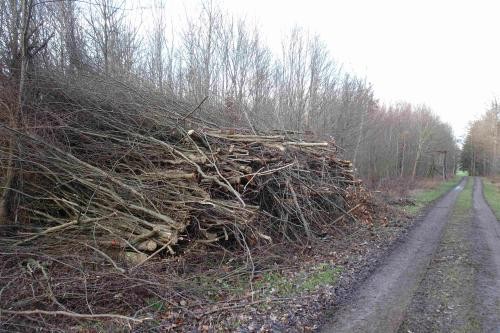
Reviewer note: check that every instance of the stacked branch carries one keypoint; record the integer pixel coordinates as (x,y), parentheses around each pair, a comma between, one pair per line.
(116,165)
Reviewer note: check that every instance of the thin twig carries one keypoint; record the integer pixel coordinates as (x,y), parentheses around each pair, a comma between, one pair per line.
(196,108)
(74,315)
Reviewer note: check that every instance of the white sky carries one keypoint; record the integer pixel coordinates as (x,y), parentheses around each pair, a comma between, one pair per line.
(444,53)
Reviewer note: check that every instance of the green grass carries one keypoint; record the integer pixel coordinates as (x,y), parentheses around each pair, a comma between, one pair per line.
(276,282)
(423,198)
(446,295)
(283,285)
(322,276)
(492,195)
(464,200)
(266,284)
(453,272)
(155,304)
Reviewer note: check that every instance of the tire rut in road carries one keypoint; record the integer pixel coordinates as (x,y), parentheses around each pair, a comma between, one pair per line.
(380,303)
(486,256)
(445,300)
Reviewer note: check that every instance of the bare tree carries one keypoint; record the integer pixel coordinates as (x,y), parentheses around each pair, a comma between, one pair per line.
(113,42)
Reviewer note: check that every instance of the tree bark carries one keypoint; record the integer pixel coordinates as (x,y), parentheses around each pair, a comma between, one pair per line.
(17,118)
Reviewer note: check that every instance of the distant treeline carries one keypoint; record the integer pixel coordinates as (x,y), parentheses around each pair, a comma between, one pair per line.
(480,150)
(221,61)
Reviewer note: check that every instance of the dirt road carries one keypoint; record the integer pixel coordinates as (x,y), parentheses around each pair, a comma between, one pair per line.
(445,277)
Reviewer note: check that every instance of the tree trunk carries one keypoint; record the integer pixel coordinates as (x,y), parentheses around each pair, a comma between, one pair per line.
(403,158)
(9,180)
(417,159)
(17,118)
(360,136)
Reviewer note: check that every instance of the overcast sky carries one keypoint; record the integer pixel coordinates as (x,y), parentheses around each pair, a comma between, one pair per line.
(443,53)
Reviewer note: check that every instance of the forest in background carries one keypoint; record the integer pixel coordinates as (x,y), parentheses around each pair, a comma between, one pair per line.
(480,148)
(219,63)
(186,177)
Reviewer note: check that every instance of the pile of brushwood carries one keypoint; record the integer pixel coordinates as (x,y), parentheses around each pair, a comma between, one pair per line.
(94,164)
(108,163)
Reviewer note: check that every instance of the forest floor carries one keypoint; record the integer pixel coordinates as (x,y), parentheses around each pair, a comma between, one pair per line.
(321,285)
(444,277)
(309,283)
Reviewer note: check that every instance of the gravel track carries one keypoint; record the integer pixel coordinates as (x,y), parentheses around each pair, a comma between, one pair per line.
(444,278)
(379,305)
